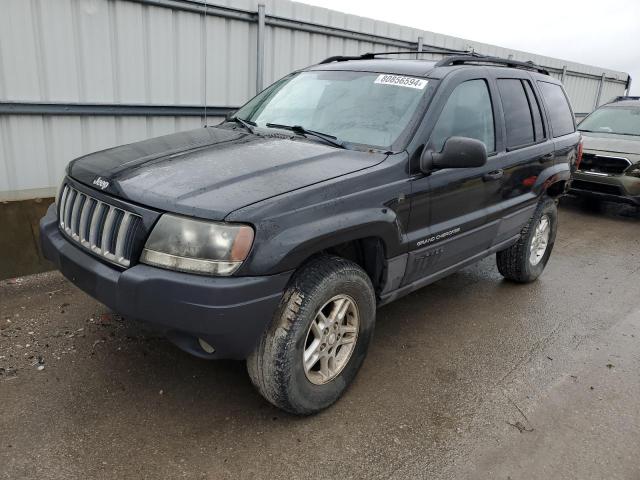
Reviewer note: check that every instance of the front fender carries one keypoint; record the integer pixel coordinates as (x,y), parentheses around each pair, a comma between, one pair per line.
(298,242)
(367,204)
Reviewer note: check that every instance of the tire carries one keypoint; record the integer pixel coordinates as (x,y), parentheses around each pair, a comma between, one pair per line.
(277,367)
(517,263)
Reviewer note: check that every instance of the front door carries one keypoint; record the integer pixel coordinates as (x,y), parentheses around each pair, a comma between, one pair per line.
(448,221)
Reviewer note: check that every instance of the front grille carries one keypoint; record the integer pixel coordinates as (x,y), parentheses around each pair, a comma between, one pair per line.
(596,187)
(601,164)
(103,229)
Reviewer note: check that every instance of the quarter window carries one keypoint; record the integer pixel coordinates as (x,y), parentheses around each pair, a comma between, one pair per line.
(536,113)
(517,114)
(467,113)
(560,115)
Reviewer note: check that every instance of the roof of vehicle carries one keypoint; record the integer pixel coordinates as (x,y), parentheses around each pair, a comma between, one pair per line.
(377,62)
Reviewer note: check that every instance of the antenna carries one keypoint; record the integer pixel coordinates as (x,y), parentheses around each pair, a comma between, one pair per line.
(206,7)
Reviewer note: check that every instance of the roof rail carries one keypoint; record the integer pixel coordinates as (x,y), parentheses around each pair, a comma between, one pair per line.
(622,98)
(453,57)
(469,58)
(372,55)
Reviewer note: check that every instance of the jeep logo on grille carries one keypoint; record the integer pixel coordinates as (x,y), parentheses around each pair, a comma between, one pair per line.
(100,182)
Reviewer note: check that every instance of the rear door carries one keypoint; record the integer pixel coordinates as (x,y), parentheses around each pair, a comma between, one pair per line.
(448,207)
(526,152)
(561,120)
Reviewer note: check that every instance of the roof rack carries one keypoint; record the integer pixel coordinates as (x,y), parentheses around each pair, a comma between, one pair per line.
(453,57)
(372,55)
(469,58)
(622,98)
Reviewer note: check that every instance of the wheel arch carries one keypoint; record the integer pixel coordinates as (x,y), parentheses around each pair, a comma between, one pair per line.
(368,252)
(553,181)
(366,236)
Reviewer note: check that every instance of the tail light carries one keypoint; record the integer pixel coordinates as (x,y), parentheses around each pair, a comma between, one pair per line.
(579,156)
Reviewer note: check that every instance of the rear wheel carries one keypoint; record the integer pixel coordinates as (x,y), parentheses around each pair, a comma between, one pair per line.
(525,260)
(318,338)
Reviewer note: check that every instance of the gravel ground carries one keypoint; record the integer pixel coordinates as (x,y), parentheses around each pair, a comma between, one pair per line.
(472,377)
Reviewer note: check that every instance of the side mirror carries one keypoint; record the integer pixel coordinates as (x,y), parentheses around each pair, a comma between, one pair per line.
(458,152)
(230,115)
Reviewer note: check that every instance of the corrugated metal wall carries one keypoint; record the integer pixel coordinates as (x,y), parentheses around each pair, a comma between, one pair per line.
(81,75)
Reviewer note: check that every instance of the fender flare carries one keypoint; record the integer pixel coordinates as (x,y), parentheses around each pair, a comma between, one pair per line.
(552,176)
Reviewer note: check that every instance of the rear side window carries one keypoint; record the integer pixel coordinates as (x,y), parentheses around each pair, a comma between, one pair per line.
(467,113)
(517,114)
(558,108)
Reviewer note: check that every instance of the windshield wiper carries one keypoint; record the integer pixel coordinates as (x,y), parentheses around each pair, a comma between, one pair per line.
(247,124)
(299,129)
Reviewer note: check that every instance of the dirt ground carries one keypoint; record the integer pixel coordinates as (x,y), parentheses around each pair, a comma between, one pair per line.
(472,377)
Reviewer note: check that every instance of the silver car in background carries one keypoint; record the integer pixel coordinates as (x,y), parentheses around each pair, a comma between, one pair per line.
(610,167)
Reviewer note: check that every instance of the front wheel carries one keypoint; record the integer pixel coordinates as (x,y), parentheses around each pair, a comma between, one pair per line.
(318,338)
(525,260)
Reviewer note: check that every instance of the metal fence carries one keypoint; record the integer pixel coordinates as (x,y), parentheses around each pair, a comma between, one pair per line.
(81,75)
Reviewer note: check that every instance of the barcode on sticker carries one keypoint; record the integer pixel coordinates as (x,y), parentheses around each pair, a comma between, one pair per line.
(401,81)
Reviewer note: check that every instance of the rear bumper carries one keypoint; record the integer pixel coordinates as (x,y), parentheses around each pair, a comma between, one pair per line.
(230,313)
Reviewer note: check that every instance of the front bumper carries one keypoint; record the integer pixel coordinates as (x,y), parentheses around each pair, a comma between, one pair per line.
(229,313)
(617,188)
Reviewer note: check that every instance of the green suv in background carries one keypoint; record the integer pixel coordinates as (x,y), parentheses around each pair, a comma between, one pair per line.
(610,167)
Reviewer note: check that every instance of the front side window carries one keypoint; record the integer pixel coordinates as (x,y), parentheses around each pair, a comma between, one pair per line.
(615,120)
(467,113)
(357,107)
(560,115)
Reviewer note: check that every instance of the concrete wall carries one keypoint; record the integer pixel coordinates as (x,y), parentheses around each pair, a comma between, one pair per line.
(19,239)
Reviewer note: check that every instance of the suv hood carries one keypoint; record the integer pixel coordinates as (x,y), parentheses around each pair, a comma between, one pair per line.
(607,142)
(210,172)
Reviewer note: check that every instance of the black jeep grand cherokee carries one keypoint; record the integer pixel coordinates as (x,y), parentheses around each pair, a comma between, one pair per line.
(275,235)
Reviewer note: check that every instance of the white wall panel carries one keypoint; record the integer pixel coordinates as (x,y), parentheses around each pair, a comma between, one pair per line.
(57,40)
(64,142)
(610,91)
(94,42)
(27,151)
(160,60)
(19,56)
(129,48)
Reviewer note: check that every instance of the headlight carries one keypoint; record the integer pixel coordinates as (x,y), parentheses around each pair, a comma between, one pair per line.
(196,246)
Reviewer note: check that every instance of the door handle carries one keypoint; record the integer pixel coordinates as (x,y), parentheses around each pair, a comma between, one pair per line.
(495,175)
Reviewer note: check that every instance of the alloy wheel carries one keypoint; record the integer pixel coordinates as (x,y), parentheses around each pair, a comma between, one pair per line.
(331,339)
(540,240)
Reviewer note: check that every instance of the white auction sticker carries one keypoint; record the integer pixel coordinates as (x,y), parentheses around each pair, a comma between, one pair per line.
(401,81)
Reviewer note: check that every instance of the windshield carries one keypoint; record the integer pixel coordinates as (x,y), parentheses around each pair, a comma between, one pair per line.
(356,107)
(618,120)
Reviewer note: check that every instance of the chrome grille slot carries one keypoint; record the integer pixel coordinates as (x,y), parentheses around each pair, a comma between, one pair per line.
(601,164)
(103,229)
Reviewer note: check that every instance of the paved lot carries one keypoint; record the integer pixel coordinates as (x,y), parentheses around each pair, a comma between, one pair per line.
(472,377)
